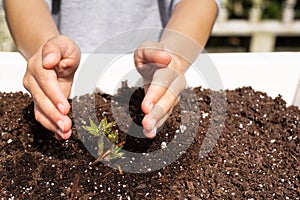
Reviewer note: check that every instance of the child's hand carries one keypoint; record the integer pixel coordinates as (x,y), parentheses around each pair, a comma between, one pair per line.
(49,78)
(164,79)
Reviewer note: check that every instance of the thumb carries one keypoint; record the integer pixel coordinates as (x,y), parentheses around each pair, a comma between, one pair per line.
(158,57)
(51,55)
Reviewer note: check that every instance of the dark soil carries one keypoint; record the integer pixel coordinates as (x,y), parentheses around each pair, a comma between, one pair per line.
(257,155)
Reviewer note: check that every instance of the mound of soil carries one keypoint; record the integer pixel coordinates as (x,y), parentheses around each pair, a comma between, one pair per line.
(256,154)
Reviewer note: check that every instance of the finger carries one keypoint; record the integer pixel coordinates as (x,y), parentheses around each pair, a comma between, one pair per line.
(160,109)
(159,114)
(57,136)
(149,123)
(51,55)
(163,80)
(147,71)
(148,58)
(47,123)
(47,81)
(62,55)
(44,120)
(154,55)
(151,133)
(63,122)
(59,128)
(166,115)
(48,109)
(161,76)
(60,51)
(153,94)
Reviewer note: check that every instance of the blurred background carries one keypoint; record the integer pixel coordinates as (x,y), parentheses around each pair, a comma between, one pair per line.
(6,43)
(242,26)
(257,26)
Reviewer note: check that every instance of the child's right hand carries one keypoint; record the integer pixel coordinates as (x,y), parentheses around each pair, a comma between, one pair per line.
(48,78)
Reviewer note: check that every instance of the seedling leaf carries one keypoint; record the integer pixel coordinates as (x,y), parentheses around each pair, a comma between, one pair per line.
(92,129)
(105,129)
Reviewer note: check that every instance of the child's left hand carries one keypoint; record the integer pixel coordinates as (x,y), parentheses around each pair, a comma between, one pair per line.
(164,80)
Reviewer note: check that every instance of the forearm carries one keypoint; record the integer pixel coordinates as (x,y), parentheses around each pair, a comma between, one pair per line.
(30,23)
(192,22)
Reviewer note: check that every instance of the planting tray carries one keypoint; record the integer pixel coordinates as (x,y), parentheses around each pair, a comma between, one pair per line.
(247,148)
(273,73)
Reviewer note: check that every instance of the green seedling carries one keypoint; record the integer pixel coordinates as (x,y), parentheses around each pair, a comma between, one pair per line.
(105,129)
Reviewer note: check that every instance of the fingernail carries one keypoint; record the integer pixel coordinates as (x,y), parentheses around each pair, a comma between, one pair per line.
(140,53)
(61,125)
(57,136)
(153,123)
(60,133)
(150,134)
(61,108)
(151,105)
(49,58)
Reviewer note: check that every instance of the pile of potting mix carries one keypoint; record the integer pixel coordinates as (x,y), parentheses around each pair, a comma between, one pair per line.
(255,150)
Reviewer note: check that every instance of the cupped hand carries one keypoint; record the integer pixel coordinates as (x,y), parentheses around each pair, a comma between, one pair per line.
(163,76)
(49,78)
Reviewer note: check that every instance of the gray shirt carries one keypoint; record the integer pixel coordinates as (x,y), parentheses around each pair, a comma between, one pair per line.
(93,22)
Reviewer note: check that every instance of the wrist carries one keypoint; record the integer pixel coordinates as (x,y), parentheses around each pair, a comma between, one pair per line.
(180,61)
(38,43)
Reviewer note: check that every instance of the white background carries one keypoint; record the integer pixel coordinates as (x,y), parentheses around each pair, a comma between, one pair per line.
(273,73)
